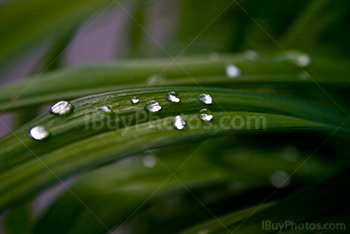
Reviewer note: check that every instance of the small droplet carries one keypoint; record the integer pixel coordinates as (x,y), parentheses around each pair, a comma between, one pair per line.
(153,106)
(205,98)
(251,55)
(179,123)
(291,153)
(279,179)
(173,97)
(149,161)
(61,108)
(106,109)
(233,71)
(135,100)
(39,133)
(304,60)
(205,115)
(300,58)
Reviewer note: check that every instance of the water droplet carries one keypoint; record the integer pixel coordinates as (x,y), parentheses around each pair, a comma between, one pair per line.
(279,179)
(106,109)
(39,133)
(153,106)
(179,123)
(205,115)
(205,98)
(290,153)
(149,161)
(135,100)
(303,60)
(300,58)
(173,97)
(251,55)
(155,79)
(61,108)
(233,71)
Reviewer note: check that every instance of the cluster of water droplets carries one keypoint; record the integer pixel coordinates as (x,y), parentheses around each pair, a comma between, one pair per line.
(64,108)
(60,108)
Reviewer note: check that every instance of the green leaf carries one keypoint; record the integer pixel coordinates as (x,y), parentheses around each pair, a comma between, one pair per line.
(75,144)
(86,80)
(316,203)
(126,185)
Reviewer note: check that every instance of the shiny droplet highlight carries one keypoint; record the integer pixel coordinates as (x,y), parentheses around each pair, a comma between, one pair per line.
(205,98)
(39,133)
(179,123)
(153,106)
(173,97)
(61,108)
(205,115)
(279,179)
(233,71)
(135,100)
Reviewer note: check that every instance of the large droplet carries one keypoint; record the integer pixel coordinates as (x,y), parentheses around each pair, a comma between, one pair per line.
(179,123)
(205,98)
(173,97)
(39,133)
(279,179)
(61,108)
(135,100)
(205,115)
(153,106)
(233,71)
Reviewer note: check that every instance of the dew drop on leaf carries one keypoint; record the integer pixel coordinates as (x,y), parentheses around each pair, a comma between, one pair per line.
(205,98)
(279,179)
(153,106)
(39,133)
(173,97)
(135,100)
(233,71)
(61,108)
(106,109)
(149,161)
(251,55)
(179,123)
(205,115)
